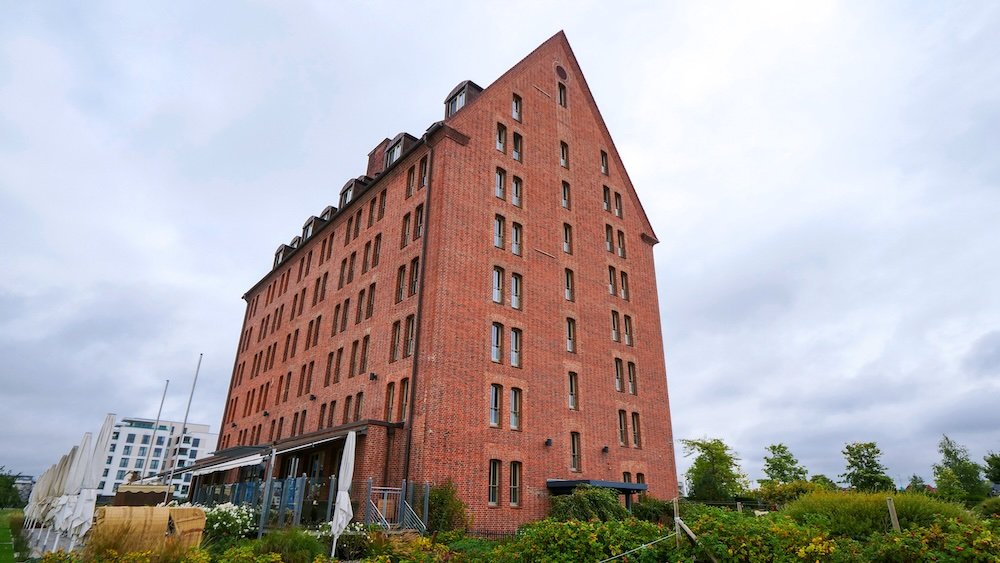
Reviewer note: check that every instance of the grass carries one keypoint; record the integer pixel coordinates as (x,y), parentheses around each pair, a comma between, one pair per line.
(6,541)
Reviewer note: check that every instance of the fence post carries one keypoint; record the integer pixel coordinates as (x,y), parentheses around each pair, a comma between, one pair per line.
(677,527)
(892,514)
(427,501)
(300,489)
(739,507)
(368,501)
(402,503)
(330,498)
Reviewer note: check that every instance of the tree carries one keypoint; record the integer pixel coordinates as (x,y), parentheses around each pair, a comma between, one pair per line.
(916,484)
(715,473)
(9,495)
(781,466)
(824,482)
(864,470)
(967,473)
(992,467)
(948,485)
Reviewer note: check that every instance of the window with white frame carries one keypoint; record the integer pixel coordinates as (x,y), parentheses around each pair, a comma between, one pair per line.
(496,392)
(515,408)
(515,291)
(515,347)
(516,191)
(496,342)
(498,275)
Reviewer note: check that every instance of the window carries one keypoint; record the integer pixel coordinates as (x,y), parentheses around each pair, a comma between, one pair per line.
(347,409)
(496,342)
(570,335)
(568,285)
(574,451)
(628,330)
(609,238)
(618,374)
(145,440)
(369,308)
(381,205)
(604,163)
(404,237)
(618,204)
(563,154)
(607,198)
(414,275)
(124,462)
(112,448)
(516,191)
(622,428)
(574,392)
(376,249)
(408,341)
(496,391)
(515,107)
(363,363)
(393,154)
(120,474)
(640,478)
(350,276)
(567,242)
(498,231)
(612,280)
(418,222)
(400,283)
(621,244)
(565,195)
(371,213)
(498,276)
(130,439)
(615,326)
(627,477)
(516,150)
(411,180)
(390,395)
(127,450)
(423,172)
(636,435)
(515,291)
(515,347)
(515,239)
(493,495)
(515,483)
(359,400)
(361,307)
(456,103)
(515,409)
(404,398)
(500,184)
(394,346)
(562,94)
(501,138)
(631,378)
(624,286)
(143,450)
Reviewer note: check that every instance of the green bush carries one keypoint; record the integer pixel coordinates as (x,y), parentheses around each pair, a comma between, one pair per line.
(355,542)
(779,494)
(292,544)
(946,539)
(445,510)
(731,536)
(246,553)
(989,508)
(228,522)
(569,542)
(472,549)
(858,515)
(653,510)
(588,503)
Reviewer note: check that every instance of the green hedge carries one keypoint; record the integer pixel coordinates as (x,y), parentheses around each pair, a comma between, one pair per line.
(858,515)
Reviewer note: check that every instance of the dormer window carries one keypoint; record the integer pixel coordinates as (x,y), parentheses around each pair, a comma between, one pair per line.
(456,102)
(348,196)
(393,154)
(307,231)
(279,256)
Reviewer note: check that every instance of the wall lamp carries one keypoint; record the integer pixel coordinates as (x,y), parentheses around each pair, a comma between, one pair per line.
(548,441)
(604,450)
(312,397)
(232,425)
(267,414)
(372,376)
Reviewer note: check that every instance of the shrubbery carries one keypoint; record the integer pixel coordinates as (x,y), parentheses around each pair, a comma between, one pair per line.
(445,510)
(653,510)
(988,508)
(779,494)
(573,541)
(292,545)
(858,515)
(588,503)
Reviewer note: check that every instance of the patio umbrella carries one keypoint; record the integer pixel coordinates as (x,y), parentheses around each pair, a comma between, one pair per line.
(342,513)
(83,515)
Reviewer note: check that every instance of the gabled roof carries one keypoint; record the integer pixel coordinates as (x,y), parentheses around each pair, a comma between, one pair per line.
(561,40)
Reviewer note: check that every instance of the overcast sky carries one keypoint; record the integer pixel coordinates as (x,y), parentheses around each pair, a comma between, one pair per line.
(824,179)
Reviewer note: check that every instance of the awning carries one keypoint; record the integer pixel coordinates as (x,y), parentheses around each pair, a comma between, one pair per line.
(302,446)
(566,486)
(231,464)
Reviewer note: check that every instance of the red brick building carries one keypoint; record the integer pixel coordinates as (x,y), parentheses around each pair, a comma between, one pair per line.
(480,305)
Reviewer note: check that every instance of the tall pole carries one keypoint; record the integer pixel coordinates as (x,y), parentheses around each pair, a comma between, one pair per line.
(170,476)
(152,440)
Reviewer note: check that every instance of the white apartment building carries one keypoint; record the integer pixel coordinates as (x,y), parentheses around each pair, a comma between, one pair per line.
(136,446)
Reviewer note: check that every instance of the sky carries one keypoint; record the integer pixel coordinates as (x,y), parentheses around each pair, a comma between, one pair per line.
(823,178)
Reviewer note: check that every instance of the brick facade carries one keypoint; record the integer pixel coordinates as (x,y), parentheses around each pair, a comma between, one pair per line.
(447,431)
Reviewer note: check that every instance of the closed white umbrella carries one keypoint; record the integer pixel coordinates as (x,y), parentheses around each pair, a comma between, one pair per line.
(342,512)
(83,515)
